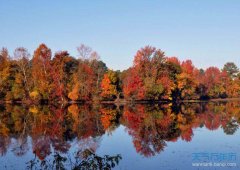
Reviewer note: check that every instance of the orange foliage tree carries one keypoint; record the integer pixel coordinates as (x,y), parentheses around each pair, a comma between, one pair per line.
(41,69)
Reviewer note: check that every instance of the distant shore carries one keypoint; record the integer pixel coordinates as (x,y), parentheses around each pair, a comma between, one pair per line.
(169,101)
(122,101)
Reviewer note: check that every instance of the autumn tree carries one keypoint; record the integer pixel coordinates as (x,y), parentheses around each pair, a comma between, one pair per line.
(81,83)
(133,87)
(41,70)
(212,80)
(22,56)
(110,85)
(6,76)
(187,82)
(84,52)
(150,71)
(233,87)
(173,67)
(62,66)
(87,78)
(99,69)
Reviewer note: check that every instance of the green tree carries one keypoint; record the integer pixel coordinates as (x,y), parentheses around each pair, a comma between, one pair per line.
(231,69)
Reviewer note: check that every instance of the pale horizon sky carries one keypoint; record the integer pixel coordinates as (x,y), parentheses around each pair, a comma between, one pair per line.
(207,32)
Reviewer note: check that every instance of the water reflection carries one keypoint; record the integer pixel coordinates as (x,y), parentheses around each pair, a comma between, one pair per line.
(49,132)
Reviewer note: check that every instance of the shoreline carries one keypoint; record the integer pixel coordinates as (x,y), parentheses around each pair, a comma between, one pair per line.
(123,101)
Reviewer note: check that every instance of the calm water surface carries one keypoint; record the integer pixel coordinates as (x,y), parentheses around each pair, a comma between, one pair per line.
(186,136)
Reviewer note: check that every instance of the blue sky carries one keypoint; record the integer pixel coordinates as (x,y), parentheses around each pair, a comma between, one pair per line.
(207,32)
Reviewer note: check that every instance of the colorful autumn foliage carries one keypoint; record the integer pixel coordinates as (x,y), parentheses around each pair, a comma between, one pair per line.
(110,85)
(153,76)
(151,127)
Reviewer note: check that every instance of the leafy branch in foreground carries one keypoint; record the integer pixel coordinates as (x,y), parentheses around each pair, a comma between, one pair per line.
(87,160)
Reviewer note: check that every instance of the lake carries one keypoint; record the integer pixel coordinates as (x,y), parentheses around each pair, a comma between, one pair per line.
(151,136)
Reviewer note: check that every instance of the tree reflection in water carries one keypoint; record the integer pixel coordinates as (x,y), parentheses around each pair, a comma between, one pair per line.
(49,132)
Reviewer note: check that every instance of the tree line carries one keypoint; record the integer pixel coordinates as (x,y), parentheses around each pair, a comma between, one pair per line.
(153,76)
